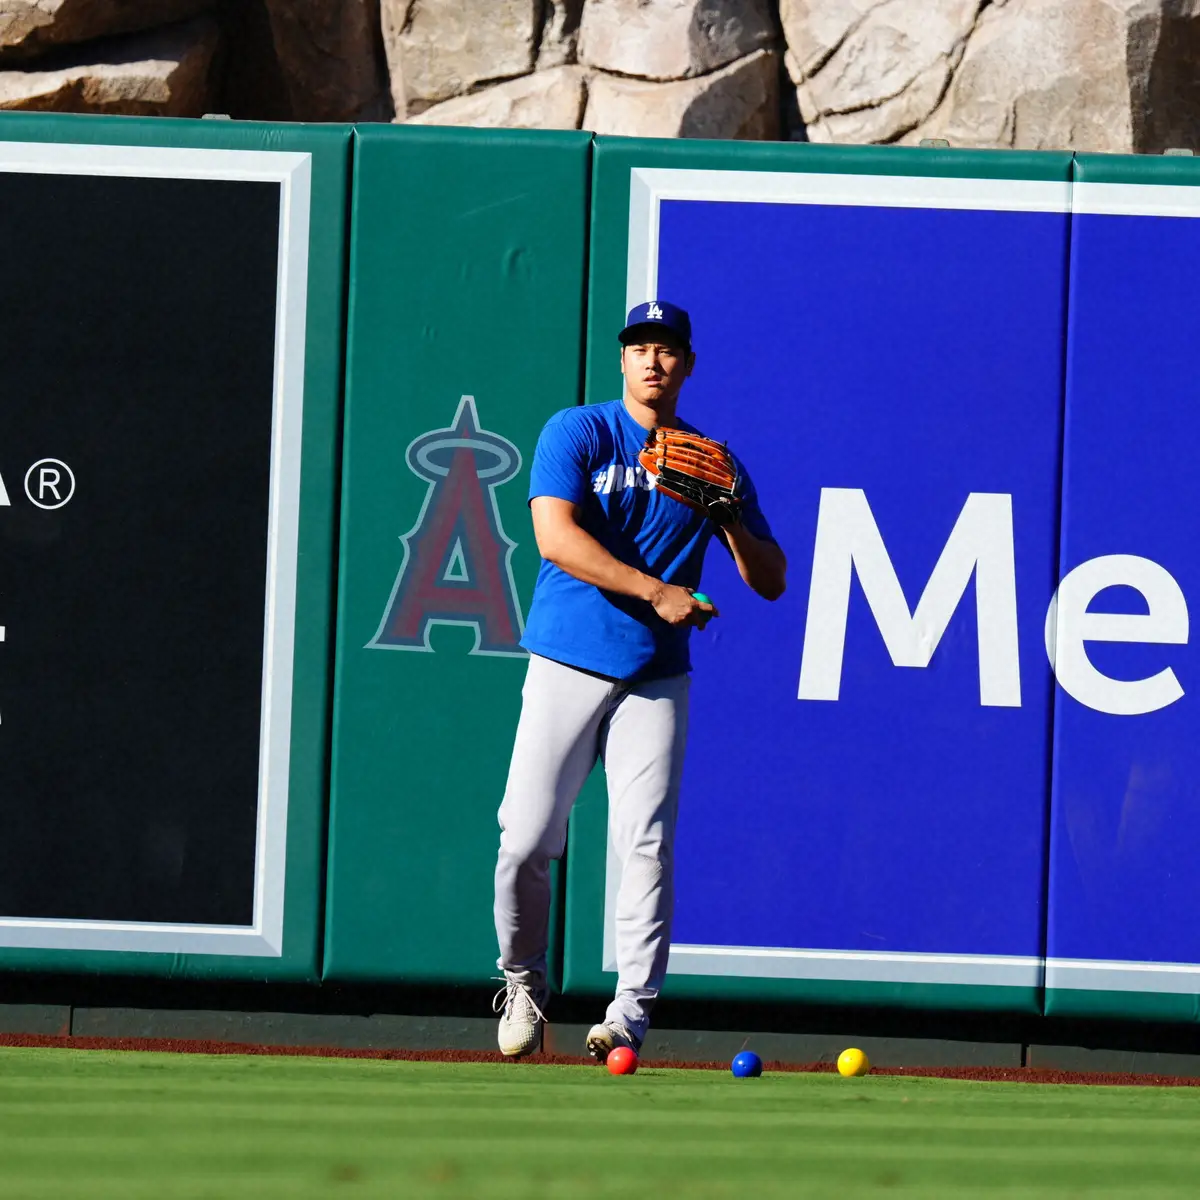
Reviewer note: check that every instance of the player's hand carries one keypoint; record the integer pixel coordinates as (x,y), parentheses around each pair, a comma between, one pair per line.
(704,612)
(677,606)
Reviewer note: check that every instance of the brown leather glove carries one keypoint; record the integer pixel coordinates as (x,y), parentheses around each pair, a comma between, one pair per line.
(694,470)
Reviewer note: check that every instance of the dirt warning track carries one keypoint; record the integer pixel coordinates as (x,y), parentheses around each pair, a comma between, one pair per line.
(202,1046)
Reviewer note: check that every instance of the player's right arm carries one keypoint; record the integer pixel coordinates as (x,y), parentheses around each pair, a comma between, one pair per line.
(564,542)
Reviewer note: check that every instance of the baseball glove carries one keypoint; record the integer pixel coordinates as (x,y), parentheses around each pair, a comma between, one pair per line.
(695,470)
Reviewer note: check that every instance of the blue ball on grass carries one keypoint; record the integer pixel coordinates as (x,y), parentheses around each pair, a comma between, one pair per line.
(746,1065)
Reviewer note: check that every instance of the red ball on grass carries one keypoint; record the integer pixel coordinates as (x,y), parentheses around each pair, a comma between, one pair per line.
(621,1061)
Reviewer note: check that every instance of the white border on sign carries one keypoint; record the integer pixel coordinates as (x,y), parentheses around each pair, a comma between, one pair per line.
(293,173)
(1098,975)
(1136,199)
(649,187)
(998,970)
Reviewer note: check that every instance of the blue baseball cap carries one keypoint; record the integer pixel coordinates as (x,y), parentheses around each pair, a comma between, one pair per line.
(661,313)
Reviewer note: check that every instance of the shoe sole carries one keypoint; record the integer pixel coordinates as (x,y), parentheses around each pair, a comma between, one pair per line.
(599,1048)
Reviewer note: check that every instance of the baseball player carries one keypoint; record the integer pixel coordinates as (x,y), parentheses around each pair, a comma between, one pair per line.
(622,549)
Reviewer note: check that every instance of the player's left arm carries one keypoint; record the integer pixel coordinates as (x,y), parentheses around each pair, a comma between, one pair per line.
(760,561)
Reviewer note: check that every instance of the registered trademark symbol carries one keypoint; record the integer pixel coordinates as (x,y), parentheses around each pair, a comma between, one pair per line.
(49,483)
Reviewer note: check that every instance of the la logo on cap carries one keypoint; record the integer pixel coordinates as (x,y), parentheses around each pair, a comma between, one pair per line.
(653,312)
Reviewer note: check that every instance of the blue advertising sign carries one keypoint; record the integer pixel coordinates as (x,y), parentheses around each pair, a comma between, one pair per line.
(1126,799)
(866,789)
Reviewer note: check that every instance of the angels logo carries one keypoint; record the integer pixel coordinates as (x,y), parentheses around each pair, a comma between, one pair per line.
(457,567)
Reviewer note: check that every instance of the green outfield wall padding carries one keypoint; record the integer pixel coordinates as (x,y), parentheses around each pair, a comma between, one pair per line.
(466,331)
(1085,1004)
(141,860)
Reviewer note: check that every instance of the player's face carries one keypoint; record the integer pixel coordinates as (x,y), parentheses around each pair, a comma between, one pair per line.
(655,370)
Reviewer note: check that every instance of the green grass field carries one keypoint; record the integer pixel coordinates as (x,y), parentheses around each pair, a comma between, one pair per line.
(85,1123)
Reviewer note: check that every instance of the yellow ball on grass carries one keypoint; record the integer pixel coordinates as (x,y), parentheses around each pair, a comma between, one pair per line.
(853,1062)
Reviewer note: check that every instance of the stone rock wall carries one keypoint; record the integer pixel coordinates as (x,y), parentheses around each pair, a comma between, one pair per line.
(161,73)
(674,39)
(439,49)
(29,27)
(1099,75)
(1115,75)
(872,72)
(327,52)
(737,101)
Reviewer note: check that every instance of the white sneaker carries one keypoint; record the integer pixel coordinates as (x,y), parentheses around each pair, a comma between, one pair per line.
(604,1038)
(521,1019)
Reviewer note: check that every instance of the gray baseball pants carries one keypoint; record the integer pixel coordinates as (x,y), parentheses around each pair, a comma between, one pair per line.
(638,730)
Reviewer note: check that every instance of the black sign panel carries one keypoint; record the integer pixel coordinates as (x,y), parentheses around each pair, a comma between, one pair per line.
(137,330)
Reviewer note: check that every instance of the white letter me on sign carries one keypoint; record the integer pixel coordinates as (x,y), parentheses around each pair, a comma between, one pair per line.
(848,539)
(981,542)
(1069,625)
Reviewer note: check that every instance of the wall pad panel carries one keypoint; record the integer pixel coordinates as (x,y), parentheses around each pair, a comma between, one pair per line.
(172,337)
(1124,887)
(880,338)
(465,336)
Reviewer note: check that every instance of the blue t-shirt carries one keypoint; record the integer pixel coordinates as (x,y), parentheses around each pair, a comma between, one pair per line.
(588,455)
